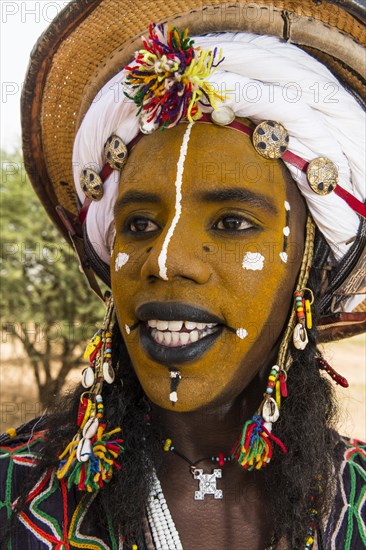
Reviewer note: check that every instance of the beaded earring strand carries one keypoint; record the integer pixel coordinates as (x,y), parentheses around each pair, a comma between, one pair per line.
(255,447)
(88,460)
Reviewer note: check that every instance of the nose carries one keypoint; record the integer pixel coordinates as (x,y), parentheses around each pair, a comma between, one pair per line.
(177,253)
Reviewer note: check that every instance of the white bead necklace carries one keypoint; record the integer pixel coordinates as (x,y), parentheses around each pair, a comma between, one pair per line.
(163,530)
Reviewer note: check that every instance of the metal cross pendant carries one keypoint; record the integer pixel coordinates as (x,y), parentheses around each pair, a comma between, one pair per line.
(207,484)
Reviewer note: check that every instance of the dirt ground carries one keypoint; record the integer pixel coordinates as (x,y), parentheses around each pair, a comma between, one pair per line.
(19,403)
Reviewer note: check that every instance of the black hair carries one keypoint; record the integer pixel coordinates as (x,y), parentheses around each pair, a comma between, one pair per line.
(305,426)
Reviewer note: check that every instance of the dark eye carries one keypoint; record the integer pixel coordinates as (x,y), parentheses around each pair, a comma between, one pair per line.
(142,225)
(233,223)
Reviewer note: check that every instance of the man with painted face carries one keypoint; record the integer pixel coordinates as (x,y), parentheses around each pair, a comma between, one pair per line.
(230,229)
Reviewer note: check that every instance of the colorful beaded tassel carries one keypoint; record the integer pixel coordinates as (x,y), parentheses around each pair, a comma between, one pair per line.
(88,460)
(255,447)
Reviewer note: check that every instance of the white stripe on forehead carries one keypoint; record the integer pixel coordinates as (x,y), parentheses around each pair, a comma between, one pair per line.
(178,207)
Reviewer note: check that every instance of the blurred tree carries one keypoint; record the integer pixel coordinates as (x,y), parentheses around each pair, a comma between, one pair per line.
(45,300)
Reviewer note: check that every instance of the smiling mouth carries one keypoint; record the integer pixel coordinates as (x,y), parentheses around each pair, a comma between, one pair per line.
(174,333)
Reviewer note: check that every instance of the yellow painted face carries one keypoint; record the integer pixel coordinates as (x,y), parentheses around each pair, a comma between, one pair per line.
(209,241)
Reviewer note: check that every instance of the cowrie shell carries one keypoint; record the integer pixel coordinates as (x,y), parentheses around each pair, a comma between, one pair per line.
(87,377)
(270,410)
(84,450)
(91,427)
(300,337)
(268,426)
(108,373)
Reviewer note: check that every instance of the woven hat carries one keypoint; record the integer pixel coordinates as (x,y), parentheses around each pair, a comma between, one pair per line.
(92,40)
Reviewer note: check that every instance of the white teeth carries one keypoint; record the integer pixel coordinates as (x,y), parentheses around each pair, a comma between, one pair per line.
(159,336)
(184,337)
(175,325)
(175,338)
(167,338)
(193,336)
(191,325)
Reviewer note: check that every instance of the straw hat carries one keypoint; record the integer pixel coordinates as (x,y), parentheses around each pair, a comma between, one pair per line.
(91,40)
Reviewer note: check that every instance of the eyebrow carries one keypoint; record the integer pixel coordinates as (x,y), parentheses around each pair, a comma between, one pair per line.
(240,195)
(217,195)
(136,197)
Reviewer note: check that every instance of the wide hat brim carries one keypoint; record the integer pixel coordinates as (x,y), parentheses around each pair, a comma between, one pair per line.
(91,40)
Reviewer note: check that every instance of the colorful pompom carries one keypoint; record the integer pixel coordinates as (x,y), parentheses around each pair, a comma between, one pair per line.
(168,78)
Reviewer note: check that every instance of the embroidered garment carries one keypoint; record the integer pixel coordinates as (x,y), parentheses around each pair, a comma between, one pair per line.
(57,518)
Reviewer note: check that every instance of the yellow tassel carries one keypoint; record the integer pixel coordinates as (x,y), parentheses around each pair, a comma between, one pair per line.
(115,431)
(68,448)
(309,318)
(61,473)
(11,432)
(113,453)
(278,394)
(87,413)
(96,477)
(99,447)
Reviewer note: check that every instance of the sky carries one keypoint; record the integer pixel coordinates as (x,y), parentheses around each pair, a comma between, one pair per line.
(22,22)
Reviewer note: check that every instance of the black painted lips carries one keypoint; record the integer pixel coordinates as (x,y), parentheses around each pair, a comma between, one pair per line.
(175,311)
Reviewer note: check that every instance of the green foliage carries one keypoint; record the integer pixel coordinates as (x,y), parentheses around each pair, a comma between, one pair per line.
(45,299)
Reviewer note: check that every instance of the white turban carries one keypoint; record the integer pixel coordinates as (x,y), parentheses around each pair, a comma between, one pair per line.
(269,80)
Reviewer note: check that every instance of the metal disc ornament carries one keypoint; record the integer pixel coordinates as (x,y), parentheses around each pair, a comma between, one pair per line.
(223,116)
(270,139)
(322,175)
(115,152)
(91,184)
(147,127)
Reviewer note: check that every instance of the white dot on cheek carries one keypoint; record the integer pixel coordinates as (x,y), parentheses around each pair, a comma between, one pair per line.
(121,259)
(253,261)
(286,231)
(284,257)
(242,333)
